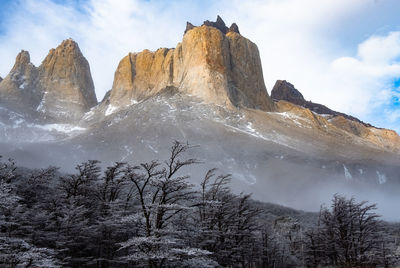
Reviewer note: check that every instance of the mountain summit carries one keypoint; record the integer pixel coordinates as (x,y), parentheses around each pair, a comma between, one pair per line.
(60,89)
(66,83)
(213,62)
(19,89)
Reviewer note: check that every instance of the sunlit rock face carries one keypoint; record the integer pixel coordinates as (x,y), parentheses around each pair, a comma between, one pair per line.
(60,89)
(213,62)
(66,83)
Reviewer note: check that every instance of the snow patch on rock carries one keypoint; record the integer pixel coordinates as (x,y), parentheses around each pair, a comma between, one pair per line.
(110,110)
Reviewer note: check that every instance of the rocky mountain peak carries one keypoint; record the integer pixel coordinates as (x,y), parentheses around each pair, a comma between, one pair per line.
(23,58)
(219,24)
(284,90)
(18,89)
(1,79)
(66,82)
(212,63)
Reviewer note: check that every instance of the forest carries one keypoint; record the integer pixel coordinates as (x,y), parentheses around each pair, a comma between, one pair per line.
(151,215)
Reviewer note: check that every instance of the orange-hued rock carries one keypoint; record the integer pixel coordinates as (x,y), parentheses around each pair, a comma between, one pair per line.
(221,68)
(66,83)
(140,75)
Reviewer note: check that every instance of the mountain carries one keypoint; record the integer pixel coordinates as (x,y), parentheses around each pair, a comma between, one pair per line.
(209,91)
(284,90)
(19,90)
(66,82)
(60,89)
(385,138)
(208,63)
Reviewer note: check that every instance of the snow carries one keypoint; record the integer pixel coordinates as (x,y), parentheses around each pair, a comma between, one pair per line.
(347,173)
(88,115)
(64,128)
(110,109)
(381,177)
(294,118)
(152,148)
(41,104)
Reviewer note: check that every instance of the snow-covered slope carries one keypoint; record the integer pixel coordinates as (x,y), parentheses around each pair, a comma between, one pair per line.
(283,157)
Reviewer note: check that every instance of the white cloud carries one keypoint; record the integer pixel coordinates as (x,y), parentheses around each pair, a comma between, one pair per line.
(365,82)
(300,41)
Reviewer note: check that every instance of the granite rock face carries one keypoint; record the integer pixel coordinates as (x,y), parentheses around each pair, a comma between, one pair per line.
(66,83)
(60,89)
(212,63)
(19,89)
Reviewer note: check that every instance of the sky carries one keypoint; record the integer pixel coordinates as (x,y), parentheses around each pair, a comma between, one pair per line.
(343,54)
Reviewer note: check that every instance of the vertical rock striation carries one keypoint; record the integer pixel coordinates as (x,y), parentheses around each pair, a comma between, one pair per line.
(213,62)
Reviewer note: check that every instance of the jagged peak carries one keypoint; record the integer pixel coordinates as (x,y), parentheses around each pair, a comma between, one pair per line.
(69,44)
(219,24)
(22,67)
(65,48)
(23,57)
(283,90)
(286,91)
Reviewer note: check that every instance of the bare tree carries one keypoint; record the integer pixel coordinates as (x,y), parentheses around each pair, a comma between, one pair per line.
(162,194)
(348,235)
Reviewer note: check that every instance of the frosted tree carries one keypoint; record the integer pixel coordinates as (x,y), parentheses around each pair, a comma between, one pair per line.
(349,234)
(162,194)
(227,223)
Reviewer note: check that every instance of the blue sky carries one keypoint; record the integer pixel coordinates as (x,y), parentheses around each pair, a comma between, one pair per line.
(344,54)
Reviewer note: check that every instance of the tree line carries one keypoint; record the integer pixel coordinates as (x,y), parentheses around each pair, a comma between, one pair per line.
(150,215)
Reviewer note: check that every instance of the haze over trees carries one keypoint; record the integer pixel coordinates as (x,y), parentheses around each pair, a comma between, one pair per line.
(150,215)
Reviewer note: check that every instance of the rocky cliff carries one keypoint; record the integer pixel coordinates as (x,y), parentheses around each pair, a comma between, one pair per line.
(213,62)
(66,83)
(19,89)
(60,89)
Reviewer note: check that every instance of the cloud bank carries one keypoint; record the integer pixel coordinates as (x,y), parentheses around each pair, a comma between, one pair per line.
(344,54)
